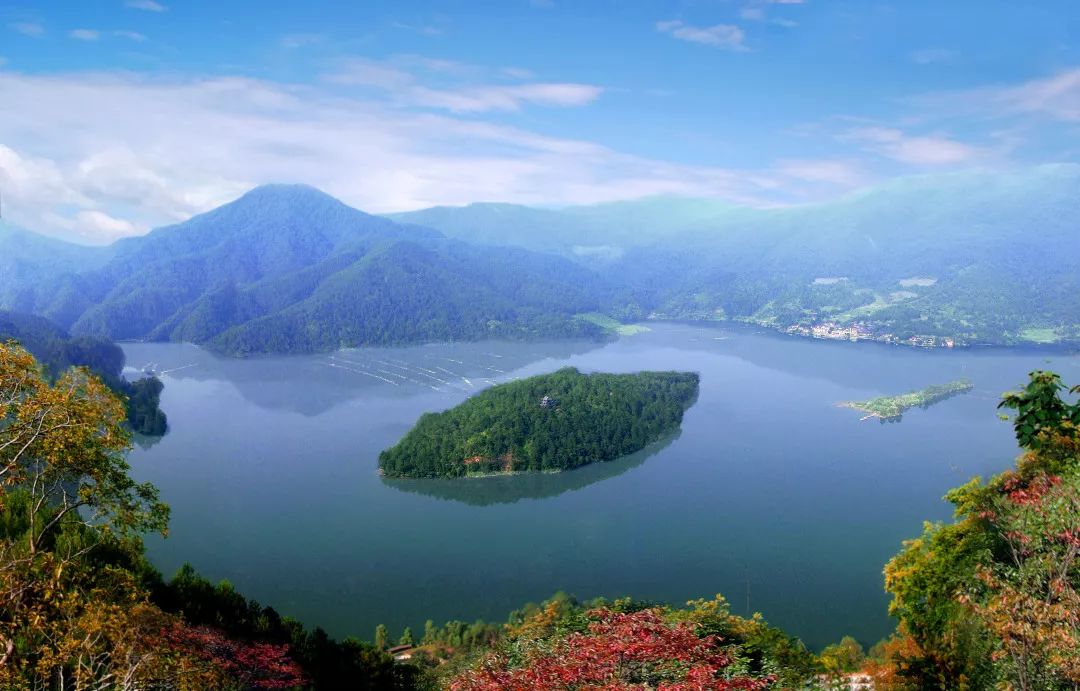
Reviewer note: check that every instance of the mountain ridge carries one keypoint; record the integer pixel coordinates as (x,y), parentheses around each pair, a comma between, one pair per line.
(279,254)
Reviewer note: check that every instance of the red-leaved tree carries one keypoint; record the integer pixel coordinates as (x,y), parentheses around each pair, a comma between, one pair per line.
(639,650)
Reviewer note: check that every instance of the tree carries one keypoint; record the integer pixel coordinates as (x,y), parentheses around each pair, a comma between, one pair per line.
(382,637)
(993,599)
(65,496)
(406,637)
(843,657)
(74,609)
(618,650)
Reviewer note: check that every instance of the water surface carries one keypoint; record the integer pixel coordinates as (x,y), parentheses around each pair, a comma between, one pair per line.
(769,494)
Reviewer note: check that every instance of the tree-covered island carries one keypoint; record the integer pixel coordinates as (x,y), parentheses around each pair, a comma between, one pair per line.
(891,408)
(551,422)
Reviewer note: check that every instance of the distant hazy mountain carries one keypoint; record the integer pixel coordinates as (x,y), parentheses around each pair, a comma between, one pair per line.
(288,268)
(981,256)
(601,232)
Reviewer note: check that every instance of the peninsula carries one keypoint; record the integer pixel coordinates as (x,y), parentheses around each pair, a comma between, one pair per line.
(891,408)
(551,422)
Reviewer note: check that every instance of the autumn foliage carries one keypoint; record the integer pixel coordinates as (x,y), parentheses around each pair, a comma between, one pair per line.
(632,650)
(993,600)
(74,611)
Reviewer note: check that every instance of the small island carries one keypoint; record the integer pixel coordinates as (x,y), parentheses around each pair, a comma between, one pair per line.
(891,408)
(551,422)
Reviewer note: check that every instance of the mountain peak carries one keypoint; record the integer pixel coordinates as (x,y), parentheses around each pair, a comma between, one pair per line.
(288,193)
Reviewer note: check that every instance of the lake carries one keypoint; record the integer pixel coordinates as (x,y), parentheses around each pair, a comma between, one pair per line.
(769,494)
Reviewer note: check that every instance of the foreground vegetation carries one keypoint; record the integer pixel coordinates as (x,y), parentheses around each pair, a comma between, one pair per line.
(991,600)
(57,352)
(80,608)
(554,421)
(891,408)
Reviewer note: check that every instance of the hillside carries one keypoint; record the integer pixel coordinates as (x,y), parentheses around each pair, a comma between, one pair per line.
(57,352)
(290,269)
(549,422)
(922,260)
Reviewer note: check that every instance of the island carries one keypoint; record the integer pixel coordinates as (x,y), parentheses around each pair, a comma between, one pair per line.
(891,408)
(546,423)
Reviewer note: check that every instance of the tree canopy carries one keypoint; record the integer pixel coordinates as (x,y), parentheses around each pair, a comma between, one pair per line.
(550,422)
(993,599)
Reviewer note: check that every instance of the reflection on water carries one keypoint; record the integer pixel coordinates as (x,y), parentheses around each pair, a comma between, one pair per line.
(311,385)
(145,442)
(507,489)
(770,490)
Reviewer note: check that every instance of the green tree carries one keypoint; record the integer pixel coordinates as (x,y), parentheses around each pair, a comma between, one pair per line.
(382,637)
(843,657)
(406,637)
(993,599)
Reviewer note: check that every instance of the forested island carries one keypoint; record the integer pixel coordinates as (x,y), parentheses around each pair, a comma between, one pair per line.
(891,408)
(550,422)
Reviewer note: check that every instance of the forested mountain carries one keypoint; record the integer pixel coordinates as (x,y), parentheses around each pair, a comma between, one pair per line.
(288,268)
(948,256)
(931,260)
(57,352)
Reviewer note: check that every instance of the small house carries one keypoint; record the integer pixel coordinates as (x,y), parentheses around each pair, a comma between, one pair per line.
(402,653)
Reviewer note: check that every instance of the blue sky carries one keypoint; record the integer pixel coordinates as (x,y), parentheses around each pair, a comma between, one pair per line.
(121,115)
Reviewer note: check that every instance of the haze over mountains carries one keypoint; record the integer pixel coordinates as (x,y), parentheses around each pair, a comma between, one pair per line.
(286,268)
(968,235)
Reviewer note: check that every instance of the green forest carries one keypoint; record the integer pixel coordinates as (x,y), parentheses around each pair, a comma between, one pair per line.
(57,351)
(549,422)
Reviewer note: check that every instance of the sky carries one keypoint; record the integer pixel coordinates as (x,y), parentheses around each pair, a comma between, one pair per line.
(118,116)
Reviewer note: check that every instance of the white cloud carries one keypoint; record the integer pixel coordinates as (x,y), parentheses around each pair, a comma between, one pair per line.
(726,36)
(85,34)
(1035,101)
(408,81)
(130,35)
(517,73)
(31,29)
(422,29)
(506,97)
(927,150)
(101,226)
(140,152)
(148,5)
(1057,96)
(841,173)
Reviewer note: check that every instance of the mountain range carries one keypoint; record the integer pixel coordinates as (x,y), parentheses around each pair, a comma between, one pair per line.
(975,257)
(971,257)
(287,268)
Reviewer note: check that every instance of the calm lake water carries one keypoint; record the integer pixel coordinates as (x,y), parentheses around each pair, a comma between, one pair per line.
(770,494)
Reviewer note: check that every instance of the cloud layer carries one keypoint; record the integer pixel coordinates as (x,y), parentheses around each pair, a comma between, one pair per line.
(96,156)
(106,155)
